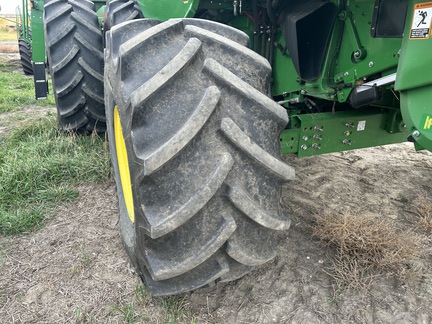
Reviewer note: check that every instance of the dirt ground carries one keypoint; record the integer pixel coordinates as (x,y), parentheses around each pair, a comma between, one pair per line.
(8,47)
(75,270)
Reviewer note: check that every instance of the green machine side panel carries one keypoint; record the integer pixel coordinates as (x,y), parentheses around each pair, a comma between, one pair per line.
(320,133)
(414,80)
(23,23)
(351,34)
(38,37)
(38,49)
(166,9)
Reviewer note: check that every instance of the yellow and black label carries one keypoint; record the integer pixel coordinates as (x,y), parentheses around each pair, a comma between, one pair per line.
(427,123)
(422,19)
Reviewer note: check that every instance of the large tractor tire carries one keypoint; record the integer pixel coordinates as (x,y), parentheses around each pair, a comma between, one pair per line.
(74,45)
(196,152)
(25,51)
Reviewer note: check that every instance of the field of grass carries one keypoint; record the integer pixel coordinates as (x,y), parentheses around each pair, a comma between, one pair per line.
(40,168)
(7,33)
(39,165)
(17,90)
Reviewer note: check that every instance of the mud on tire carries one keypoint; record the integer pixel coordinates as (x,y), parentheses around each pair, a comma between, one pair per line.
(202,141)
(74,46)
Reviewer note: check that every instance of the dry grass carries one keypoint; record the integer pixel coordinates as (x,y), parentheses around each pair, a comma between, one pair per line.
(369,247)
(7,31)
(8,48)
(423,210)
(6,25)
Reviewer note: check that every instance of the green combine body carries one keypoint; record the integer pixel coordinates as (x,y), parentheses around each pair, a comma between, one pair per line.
(344,61)
(354,63)
(248,78)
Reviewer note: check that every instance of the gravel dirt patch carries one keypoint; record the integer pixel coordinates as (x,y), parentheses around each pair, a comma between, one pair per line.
(295,287)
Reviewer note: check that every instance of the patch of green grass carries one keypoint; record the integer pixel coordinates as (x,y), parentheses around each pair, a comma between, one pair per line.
(7,33)
(78,316)
(84,318)
(176,310)
(132,312)
(85,262)
(7,65)
(129,314)
(40,168)
(142,294)
(17,90)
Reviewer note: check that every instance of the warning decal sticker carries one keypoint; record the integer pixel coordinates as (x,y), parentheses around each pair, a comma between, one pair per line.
(361,126)
(421,25)
(426,123)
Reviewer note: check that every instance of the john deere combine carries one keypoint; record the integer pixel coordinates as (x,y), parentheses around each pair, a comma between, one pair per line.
(200,98)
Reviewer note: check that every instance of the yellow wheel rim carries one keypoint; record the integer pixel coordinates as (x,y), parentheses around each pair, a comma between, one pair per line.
(123,165)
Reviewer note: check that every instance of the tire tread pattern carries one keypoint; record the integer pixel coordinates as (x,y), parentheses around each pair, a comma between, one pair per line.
(75,52)
(183,113)
(25,51)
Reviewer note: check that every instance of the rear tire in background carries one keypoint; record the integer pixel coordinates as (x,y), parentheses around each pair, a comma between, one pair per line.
(74,46)
(25,51)
(199,160)
(118,11)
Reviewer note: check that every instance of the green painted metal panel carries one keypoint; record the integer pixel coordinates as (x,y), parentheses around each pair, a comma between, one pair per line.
(38,37)
(23,24)
(314,134)
(416,52)
(414,81)
(99,4)
(341,69)
(416,109)
(285,78)
(166,9)
(101,15)
(378,54)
